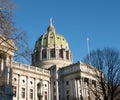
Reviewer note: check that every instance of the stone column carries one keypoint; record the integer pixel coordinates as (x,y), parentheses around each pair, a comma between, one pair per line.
(27,88)
(68,55)
(40,54)
(49,96)
(42,89)
(83,90)
(82,86)
(57,54)
(90,83)
(57,94)
(19,88)
(7,69)
(48,56)
(2,72)
(35,89)
(11,64)
(2,67)
(64,54)
(76,89)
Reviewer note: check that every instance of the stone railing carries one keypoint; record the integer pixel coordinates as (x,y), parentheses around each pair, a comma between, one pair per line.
(30,68)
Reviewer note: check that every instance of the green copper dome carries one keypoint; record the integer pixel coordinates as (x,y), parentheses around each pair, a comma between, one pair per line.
(51,48)
(51,38)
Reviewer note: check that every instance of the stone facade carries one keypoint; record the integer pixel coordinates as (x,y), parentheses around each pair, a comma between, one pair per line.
(52,75)
(30,83)
(76,80)
(7,49)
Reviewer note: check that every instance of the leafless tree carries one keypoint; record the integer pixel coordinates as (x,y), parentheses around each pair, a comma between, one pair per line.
(10,31)
(107,60)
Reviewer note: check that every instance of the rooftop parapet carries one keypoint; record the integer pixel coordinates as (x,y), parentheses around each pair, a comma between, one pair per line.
(30,68)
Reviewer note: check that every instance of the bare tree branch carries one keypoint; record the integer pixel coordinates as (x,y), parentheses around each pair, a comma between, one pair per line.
(107,60)
(9,31)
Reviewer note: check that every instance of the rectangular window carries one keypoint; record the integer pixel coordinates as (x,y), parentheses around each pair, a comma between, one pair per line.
(45,96)
(54,83)
(86,81)
(23,92)
(14,91)
(67,54)
(61,53)
(67,92)
(68,97)
(54,89)
(93,83)
(31,93)
(54,97)
(52,53)
(67,82)
(44,54)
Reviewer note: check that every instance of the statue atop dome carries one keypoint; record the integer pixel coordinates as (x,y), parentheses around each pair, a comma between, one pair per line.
(51,21)
(51,27)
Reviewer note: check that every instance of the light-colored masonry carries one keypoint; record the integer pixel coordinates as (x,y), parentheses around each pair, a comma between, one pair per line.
(51,76)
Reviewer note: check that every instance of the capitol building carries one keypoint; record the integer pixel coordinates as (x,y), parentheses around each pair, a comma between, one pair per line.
(51,75)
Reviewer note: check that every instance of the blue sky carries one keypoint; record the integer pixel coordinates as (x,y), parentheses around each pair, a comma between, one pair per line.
(75,20)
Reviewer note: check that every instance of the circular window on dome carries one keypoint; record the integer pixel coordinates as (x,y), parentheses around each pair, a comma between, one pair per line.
(15,79)
(45,85)
(31,82)
(23,81)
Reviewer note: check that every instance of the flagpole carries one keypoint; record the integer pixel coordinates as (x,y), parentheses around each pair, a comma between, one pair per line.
(88,51)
